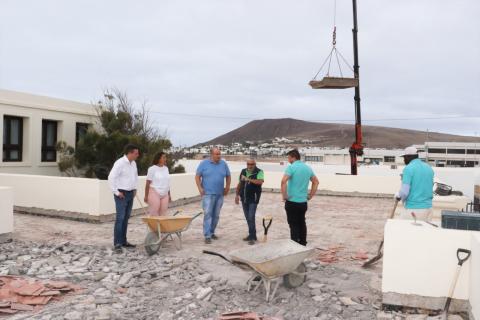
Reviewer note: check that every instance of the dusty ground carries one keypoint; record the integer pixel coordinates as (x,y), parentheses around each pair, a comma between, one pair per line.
(349,224)
(356,223)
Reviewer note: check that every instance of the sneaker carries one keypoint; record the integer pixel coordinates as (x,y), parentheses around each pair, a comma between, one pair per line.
(117,249)
(208,241)
(251,242)
(214,237)
(129,245)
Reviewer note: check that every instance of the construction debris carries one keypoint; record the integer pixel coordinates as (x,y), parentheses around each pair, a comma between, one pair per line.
(245,315)
(23,294)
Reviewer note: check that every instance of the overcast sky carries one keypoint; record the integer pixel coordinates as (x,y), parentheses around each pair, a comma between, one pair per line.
(207,67)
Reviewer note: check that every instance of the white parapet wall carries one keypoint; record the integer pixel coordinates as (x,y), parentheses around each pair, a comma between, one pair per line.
(344,183)
(475,278)
(80,197)
(6,213)
(419,263)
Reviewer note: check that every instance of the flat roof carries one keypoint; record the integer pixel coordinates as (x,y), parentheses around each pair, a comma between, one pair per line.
(28,100)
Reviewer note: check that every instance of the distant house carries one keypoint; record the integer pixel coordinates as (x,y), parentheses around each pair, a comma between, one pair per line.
(32,125)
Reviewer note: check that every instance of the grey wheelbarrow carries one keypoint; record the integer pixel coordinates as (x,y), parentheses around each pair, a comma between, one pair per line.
(270,263)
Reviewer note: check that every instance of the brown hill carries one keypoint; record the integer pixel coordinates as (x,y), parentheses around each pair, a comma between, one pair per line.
(331,134)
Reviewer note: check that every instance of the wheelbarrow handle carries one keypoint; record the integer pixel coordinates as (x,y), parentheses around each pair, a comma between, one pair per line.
(197,215)
(465,258)
(213,253)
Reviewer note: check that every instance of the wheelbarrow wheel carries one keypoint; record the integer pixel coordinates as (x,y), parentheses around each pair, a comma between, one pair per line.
(294,280)
(151,243)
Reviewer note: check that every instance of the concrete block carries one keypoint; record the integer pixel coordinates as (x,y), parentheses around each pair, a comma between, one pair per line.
(419,263)
(6,214)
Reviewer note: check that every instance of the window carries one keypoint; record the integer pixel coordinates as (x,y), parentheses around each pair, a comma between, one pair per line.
(389,158)
(473,151)
(80,130)
(435,150)
(49,141)
(12,138)
(456,151)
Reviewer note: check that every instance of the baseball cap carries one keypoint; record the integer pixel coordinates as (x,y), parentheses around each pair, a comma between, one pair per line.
(409,151)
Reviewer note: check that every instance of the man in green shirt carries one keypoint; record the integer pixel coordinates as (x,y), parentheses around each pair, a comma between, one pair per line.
(249,190)
(295,193)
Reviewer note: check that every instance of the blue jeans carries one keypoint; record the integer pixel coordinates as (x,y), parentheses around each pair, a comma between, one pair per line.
(249,209)
(124,210)
(211,203)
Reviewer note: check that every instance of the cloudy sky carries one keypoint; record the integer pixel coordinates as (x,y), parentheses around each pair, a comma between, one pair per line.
(206,67)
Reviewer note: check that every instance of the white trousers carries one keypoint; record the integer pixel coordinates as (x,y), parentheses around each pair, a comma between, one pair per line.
(421,214)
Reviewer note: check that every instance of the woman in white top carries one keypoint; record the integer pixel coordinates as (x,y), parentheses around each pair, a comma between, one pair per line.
(157,188)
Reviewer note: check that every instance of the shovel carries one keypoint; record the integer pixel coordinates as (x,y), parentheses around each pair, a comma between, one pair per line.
(466,254)
(380,247)
(267,222)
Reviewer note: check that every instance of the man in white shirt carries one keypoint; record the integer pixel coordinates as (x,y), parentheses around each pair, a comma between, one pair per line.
(123,179)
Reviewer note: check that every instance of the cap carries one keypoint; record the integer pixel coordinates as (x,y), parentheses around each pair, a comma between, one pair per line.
(410,151)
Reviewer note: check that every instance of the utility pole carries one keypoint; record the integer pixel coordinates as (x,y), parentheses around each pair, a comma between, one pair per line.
(357,147)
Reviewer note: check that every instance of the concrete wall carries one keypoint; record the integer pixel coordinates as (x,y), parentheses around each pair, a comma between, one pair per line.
(419,263)
(475,277)
(81,197)
(344,183)
(6,213)
(33,109)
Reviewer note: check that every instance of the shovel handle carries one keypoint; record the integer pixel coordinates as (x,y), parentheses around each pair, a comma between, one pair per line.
(465,258)
(266,226)
(392,214)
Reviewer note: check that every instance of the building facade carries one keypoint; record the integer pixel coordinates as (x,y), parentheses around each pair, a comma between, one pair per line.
(30,127)
(450,154)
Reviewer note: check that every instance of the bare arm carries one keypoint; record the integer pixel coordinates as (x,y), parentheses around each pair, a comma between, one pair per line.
(284,187)
(258,182)
(147,189)
(315,183)
(227,185)
(199,185)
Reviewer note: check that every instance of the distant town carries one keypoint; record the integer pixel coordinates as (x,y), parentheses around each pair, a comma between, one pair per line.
(438,154)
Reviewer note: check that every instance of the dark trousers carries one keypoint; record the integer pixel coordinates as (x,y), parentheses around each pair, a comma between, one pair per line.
(249,209)
(296,221)
(124,210)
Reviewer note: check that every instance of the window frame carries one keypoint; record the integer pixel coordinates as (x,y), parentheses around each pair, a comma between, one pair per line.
(46,149)
(7,137)
(78,125)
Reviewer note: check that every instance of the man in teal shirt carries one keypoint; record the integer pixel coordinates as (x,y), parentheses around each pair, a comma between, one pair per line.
(295,183)
(417,187)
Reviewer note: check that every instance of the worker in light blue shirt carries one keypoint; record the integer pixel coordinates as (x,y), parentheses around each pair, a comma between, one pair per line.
(213,183)
(417,187)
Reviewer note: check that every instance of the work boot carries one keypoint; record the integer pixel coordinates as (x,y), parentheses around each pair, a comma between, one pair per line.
(247,238)
(208,241)
(117,249)
(214,237)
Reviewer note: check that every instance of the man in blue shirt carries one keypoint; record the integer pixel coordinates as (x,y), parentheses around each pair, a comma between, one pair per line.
(210,177)
(294,187)
(417,187)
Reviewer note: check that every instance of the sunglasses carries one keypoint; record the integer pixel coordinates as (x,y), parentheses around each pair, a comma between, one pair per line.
(250,164)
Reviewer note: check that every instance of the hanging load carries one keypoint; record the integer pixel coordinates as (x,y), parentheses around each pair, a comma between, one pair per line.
(330,82)
(334,83)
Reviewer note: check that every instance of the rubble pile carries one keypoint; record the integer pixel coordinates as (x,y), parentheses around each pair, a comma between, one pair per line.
(23,294)
(165,286)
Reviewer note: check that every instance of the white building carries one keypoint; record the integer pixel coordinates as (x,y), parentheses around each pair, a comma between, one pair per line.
(32,125)
(342,156)
(450,154)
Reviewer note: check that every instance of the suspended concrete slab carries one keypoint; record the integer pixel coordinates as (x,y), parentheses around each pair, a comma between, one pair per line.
(334,83)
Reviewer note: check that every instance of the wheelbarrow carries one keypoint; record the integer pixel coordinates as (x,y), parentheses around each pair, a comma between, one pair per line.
(162,228)
(270,263)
